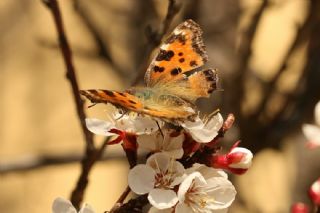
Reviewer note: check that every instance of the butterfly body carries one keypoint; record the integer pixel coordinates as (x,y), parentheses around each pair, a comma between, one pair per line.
(173,80)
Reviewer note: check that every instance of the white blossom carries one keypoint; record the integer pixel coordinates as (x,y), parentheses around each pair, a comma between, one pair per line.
(312,132)
(157,177)
(203,130)
(61,205)
(155,142)
(137,124)
(205,190)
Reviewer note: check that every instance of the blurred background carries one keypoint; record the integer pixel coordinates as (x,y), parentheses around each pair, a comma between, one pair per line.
(268,58)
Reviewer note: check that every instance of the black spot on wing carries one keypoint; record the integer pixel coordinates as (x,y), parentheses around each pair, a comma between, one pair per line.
(181,60)
(176,71)
(108,93)
(180,38)
(193,63)
(122,94)
(133,102)
(164,55)
(180,54)
(158,69)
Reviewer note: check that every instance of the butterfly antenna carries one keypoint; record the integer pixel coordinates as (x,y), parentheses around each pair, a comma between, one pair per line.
(92,105)
(160,129)
(120,116)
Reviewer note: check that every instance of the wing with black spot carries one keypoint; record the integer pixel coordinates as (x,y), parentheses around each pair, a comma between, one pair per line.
(182,51)
(122,99)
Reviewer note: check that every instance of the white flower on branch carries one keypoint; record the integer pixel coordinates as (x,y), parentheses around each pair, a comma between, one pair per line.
(205,190)
(61,205)
(127,123)
(157,177)
(169,143)
(312,132)
(203,130)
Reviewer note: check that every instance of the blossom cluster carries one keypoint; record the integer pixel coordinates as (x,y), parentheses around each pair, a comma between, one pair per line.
(184,171)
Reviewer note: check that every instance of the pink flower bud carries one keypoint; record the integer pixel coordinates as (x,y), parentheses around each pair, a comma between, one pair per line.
(314,192)
(299,208)
(240,158)
(237,161)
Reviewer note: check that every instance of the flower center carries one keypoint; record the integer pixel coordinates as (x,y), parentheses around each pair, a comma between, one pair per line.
(196,198)
(164,179)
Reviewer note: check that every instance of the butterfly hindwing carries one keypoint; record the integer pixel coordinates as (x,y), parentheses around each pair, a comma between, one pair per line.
(182,51)
(191,87)
(168,106)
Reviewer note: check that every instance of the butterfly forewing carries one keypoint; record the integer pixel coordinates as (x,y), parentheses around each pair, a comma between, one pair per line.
(182,51)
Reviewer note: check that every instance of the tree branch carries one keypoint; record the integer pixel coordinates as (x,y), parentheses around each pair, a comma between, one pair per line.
(245,51)
(92,154)
(70,70)
(269,88)
(35,162)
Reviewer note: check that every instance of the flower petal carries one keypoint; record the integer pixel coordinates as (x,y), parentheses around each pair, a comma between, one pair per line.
(99,127)
(204,133)
(141,179)
(317,113)
(162,199)
(222,191)
(177,169)
(206,172)
(61,205)
(245,160)
(146,125)
(183,208)
(155,210)
(86,208)
(312,133)
(186,184)
(147,142)
(159,161)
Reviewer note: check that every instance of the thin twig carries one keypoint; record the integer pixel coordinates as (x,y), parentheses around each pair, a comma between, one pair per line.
(245,52)
(35,162)
(70,70)
(155,37)
(301,37)
(133,206)
(91,153)
(121,199)
(102,49)
(86,165)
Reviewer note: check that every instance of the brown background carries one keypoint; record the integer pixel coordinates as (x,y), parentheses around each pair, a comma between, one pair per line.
(38,117)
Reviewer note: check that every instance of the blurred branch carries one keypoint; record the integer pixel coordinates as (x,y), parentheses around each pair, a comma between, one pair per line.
(103,50)
(92,154)
(121,199)
(298,101)
(102,46)
(70,72)
(133,206)
(269,88)
(36,162)
(154,37)
(86,165)
(245,51)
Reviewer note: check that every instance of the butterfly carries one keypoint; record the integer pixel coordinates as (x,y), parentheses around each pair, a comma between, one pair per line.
(173,80)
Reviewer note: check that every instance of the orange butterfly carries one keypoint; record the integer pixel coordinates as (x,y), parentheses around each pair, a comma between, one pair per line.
(173,82)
